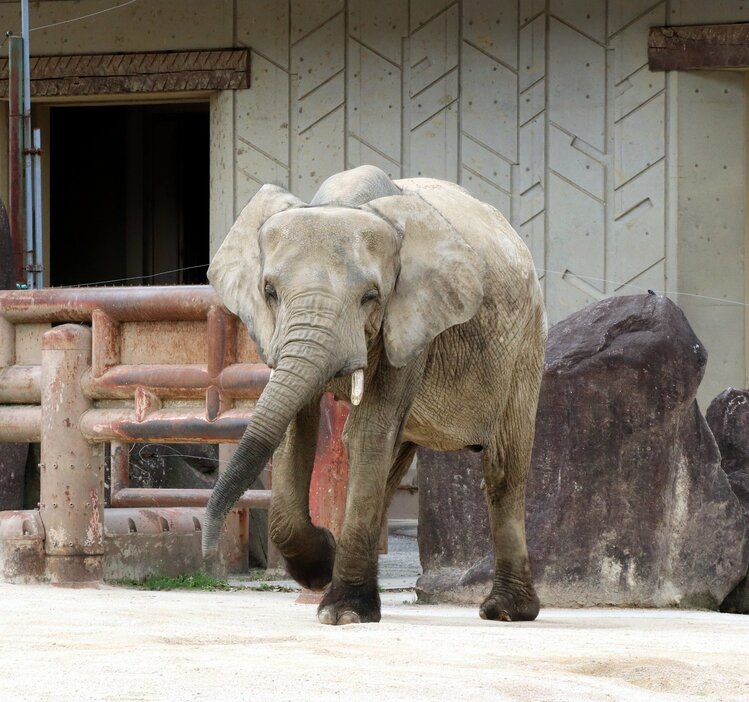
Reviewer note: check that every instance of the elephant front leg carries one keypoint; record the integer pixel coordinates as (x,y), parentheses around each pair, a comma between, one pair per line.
(353,596)
(308,550)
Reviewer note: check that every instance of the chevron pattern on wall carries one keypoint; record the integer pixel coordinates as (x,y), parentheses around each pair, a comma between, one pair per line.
(543,108)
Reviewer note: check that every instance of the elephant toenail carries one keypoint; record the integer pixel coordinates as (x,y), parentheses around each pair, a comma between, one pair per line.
(349,617)
(326,616)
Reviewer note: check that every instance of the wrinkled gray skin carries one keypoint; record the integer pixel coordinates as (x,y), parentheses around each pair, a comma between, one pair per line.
(434,295)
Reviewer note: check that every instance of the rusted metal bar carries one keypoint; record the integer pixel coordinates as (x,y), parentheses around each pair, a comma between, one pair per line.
(20,423)
(21,524)
(189,381)
(135,520)
(162,497)
(105,342)
(7,343)
(165,380)
(132,304)
(15,154)
(20,384)
(21,546)
(119,467)
(72,471)
(163,426)
(244,380)
(146,402)
(221,344)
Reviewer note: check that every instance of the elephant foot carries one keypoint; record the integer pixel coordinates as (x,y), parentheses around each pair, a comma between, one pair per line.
(344,604)
(314,568)
(507,606)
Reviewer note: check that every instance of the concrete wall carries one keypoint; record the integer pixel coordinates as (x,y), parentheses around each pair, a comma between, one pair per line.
(619,179)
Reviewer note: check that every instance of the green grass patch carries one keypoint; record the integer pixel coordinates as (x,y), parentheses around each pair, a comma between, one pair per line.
(270,587)
(196,581)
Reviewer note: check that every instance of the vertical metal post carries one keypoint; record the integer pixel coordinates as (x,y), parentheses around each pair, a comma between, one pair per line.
(15,152)
(38,279)
(72,470)
(28,187)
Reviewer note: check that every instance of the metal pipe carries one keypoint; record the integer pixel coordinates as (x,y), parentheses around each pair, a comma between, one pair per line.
(21,385)
(188,425)
(244,380)
(162,497)
(188,381)
(7,343)
(71,501)
(119,382)
(20,423)
(167,303)
(38,258)
(15,151)
(119,469)
(28,192)
(120,521)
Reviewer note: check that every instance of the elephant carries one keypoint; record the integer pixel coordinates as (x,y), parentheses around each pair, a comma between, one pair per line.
(418,304)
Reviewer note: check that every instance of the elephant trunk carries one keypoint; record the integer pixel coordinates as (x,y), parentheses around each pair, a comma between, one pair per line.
(305,365)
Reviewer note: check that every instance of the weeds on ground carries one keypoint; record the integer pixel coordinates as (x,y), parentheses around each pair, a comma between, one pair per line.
(269,587)
(196,581)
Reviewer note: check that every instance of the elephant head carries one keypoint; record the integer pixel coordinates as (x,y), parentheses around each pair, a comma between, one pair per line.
(318,288)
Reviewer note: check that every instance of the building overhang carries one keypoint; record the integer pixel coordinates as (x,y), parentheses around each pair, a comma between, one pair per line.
(699,47)
(153,72)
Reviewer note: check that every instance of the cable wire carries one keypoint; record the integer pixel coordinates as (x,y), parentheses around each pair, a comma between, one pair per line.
(82,17)
(615,283)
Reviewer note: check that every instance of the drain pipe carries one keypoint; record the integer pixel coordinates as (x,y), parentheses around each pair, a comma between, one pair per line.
(28,188)
(15,154)
(38,279)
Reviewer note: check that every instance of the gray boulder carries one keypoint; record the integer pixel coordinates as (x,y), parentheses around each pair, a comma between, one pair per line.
(728,418)
(12,456)
(626,503)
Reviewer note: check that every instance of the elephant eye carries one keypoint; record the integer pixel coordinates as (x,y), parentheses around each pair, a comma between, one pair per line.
(370,295)
(270,292)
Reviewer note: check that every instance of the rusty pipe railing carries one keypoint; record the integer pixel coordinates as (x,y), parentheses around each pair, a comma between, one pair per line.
(114,400)
(119,378)
(127,304)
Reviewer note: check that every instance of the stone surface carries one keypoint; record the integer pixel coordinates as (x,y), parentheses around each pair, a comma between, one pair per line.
(453,522)
(627,503)
(12,456)
(728,417)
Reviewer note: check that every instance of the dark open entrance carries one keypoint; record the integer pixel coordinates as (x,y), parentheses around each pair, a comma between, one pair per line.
(129,189)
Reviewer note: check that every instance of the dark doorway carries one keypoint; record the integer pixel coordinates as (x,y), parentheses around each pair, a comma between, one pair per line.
(129,189)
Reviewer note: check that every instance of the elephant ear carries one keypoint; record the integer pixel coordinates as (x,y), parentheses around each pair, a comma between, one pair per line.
(440,283)
(236,269)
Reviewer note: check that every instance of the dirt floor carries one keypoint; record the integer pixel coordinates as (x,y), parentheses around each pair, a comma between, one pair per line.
(122,644)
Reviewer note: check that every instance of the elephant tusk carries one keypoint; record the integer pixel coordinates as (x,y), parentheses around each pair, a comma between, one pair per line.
(357,387)
(272,371)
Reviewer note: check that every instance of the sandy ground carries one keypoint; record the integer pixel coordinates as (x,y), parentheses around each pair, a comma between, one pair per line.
(122,644)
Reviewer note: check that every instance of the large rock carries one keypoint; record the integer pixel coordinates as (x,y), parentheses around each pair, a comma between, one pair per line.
(626,503)
(453,523)
(12,456)
(728,417)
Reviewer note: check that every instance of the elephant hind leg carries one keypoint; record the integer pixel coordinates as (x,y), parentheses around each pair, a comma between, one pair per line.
(506,463)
